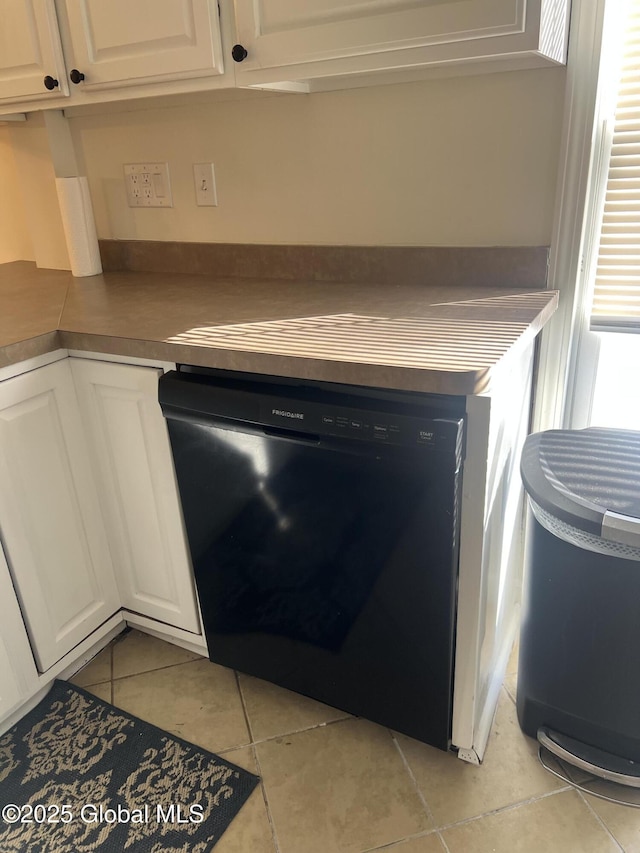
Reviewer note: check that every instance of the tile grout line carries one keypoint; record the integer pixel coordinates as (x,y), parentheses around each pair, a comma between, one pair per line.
(254,752)
(114,678)
(421,796)
(247,720)
(508,692)
(510,807)
(599,819)
(281,735)
(305,729)
(443,842)
(407,767)
(156,669)
(416,837)
(274,834)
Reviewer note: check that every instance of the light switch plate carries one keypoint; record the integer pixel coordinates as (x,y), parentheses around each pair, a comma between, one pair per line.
(205,185)
(147,185)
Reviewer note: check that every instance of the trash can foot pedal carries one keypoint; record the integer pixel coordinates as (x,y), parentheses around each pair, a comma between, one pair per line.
(589,769)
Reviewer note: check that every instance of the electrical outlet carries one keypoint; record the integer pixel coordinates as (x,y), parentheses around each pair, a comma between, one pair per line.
(205,185)
(147,185)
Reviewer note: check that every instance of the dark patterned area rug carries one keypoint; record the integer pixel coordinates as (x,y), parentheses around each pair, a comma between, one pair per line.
(78,775)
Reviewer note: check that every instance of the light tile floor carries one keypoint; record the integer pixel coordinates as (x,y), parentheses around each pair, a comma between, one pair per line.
(332,783)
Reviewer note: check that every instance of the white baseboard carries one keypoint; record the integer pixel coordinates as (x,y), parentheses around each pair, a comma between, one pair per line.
(195,643)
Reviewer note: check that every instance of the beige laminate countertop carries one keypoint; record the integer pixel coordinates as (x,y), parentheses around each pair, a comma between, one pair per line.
(413,337)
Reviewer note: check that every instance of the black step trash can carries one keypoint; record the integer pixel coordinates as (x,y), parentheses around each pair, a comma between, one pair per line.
(579,668)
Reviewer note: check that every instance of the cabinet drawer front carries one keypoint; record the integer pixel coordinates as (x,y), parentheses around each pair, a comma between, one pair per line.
(50,517)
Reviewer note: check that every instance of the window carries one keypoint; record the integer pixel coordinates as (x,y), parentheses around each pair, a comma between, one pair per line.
(616,299)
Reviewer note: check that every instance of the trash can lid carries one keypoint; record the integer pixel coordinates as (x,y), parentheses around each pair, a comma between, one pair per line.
(587,478)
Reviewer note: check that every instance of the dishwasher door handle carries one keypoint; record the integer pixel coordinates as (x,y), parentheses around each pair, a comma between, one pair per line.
(291,435)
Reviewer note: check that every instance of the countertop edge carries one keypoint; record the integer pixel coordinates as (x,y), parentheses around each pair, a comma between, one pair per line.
(93,324)
(456,383)
(23,350)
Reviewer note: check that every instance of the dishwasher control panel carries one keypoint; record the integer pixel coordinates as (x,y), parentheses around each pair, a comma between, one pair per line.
(313,411)
(363,424)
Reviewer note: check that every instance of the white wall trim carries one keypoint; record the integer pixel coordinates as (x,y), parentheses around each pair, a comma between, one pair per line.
(177,636)
(468,628)
(98,640)
(557,352)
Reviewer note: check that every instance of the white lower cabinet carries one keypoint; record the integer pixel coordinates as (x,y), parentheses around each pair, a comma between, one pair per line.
(18,675)
(50,518)
(129,444)
(90,520)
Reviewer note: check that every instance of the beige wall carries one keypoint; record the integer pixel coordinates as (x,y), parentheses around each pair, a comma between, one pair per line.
(34,169)
(459,161)
(15,243)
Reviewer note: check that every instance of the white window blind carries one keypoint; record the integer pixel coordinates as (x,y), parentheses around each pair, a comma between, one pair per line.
(616,302)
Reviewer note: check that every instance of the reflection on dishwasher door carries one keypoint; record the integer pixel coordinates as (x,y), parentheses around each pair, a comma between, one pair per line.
(301,557)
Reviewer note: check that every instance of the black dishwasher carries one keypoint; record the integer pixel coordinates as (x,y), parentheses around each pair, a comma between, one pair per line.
(323,523)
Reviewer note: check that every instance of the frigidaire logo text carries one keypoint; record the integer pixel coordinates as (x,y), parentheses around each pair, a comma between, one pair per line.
(281,413)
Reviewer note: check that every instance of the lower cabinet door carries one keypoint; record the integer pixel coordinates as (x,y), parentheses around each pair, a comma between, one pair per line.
(18,675)
(50,518)
(134,467)
(10,693)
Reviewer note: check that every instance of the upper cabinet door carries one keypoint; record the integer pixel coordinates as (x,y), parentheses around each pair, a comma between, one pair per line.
(30,51)
(128,42)
(373,35)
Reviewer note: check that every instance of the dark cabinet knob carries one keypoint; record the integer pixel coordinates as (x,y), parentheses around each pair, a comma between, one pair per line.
(238,52)
(76,76)
(50,82)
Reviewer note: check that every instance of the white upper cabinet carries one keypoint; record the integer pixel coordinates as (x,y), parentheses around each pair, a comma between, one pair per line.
(30,51)
(128,42)
(89,51)
(50,518)
(306,39)
(122,49)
